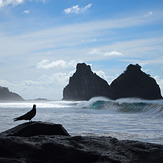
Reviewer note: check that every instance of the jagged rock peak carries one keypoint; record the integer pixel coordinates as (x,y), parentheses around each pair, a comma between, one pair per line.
(84,84)
(83,68)
(136,83)
(133,68)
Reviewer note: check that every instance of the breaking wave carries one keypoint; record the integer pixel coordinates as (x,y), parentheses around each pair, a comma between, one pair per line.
(127,105)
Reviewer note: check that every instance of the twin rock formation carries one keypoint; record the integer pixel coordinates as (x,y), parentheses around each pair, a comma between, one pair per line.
(84,84)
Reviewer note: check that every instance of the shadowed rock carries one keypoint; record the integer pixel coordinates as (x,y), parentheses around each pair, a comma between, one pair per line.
(45,148)
(36,128)
(135,83)
(84,84)
(28,116)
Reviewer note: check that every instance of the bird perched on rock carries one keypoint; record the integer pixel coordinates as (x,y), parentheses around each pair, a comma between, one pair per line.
(28,116)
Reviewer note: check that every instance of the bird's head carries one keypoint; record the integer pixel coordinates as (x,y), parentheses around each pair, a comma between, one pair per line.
(34,106)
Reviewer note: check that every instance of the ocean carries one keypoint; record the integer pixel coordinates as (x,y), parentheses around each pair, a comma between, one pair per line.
(127,118)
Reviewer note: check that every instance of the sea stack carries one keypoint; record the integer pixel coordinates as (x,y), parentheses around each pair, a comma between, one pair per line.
(135,83)
(84,84)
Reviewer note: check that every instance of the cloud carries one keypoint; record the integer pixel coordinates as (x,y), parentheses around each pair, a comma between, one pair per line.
(26,11)
(101,74)
(51,47)
(66,41)
(159,80)
(76,9)
(46,64)
(52,83)
(4,3)
(148,14)
(152,61)
(104,53)
(43,1)
(113,53)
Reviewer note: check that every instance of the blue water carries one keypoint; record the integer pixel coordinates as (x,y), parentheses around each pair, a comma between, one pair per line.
(133,119)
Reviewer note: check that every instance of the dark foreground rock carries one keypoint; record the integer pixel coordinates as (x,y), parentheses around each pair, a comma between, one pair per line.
(36,128)
(77,149)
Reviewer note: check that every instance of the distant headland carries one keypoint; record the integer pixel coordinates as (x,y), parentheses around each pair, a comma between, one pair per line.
(132,83)
(6,95)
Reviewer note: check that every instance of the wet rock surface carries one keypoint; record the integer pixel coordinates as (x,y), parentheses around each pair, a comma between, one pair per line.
(78,149)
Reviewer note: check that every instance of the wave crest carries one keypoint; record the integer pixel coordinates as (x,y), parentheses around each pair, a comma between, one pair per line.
(129,105)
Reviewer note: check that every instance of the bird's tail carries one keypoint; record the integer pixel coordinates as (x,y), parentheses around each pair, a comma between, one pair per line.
(15,119)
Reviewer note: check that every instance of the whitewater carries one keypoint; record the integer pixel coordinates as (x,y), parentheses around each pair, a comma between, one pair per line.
(129,118)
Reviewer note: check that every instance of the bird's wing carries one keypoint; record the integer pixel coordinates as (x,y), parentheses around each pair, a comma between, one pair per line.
(23,116)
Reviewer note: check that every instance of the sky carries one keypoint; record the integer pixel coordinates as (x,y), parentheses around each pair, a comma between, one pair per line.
(41,41)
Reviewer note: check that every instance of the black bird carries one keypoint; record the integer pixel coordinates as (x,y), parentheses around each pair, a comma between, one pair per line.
(28,116)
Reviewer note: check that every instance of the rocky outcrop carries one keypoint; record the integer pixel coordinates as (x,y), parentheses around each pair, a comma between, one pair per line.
(84,84)
(36,128)
(6,95)
(135,83)
(43,148)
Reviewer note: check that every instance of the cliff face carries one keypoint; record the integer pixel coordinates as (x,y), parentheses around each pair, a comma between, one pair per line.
(6,95)
(135,83)
(84,84)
